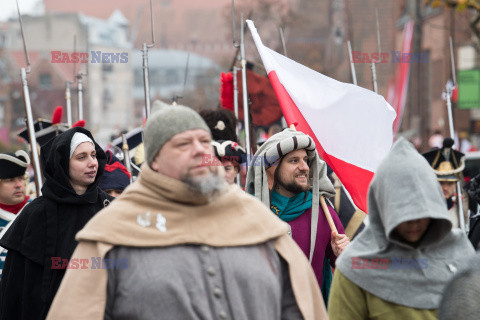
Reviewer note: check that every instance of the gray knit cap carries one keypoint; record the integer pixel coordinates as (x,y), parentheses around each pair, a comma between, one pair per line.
(164,122)
(271,152)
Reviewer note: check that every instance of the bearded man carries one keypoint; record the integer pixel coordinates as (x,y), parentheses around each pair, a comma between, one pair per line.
(288,176)
(180,243)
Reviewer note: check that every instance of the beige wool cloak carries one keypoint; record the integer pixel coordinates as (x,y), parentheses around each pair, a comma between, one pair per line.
(234,218)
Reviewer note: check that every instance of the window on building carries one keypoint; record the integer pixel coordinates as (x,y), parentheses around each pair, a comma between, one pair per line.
(138,77)
(171,77)
(45,81)
(107,67)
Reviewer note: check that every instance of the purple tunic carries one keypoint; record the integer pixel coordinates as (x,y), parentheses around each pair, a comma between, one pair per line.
(301,234)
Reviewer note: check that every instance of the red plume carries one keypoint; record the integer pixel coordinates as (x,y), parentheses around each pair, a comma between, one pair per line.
(226,90)
(455,94)
(57,115)
(79,123)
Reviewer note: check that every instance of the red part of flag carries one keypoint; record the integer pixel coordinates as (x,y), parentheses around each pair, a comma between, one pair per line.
(355,179)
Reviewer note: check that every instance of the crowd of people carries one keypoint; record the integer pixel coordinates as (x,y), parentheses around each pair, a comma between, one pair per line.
(185,241)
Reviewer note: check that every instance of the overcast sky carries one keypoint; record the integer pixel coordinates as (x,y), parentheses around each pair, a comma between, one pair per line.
(8,8)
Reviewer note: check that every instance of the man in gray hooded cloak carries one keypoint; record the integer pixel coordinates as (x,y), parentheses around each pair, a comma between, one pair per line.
(398,266)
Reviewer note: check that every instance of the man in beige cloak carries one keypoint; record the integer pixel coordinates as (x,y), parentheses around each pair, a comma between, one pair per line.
(180,243)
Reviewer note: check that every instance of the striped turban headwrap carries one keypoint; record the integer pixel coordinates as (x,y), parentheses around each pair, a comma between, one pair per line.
(271,152)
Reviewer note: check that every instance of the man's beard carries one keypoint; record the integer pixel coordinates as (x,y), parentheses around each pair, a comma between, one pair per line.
(292,186)
(209,185)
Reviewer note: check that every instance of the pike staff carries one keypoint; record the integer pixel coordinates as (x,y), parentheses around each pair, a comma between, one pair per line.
(146,82)
(245,91)
(28,113)
(352,66)
(126,156)
(80,95)
(79,78)
(175,97)
(449,89)
(68,100)
(68,93)
(282,37)
(235,95)
(235,107)
(374,69)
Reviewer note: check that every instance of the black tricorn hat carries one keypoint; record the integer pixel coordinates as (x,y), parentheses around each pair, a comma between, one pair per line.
(134,138)
(446,162)
(13,164)
(44,131)
(230,151)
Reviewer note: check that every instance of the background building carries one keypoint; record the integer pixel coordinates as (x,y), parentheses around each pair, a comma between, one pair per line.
(316,33)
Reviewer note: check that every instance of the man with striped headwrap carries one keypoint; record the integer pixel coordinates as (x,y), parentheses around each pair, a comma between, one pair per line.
(288,176)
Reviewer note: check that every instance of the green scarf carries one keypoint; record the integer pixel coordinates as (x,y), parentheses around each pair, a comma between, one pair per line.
(289,209)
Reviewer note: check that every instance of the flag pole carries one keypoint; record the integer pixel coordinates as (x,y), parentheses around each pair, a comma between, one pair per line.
(246,119)
(146,83)
(461,217)
(28,113)
(352,66)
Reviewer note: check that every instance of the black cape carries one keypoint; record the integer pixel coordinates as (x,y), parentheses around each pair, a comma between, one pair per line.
(46,228)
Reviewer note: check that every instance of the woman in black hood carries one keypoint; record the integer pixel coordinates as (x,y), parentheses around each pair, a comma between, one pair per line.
(45,231)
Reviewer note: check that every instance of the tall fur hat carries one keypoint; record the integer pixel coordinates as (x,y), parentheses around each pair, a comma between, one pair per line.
(222,123)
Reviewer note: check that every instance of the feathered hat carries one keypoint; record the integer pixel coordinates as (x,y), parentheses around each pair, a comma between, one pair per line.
(47,130)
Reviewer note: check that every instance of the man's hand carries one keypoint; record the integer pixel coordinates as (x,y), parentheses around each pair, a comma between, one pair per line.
(339,242)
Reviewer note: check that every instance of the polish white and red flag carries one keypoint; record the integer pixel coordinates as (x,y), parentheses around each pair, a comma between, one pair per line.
(351,126)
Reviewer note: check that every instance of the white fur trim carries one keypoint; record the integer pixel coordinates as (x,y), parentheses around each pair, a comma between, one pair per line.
(16,160)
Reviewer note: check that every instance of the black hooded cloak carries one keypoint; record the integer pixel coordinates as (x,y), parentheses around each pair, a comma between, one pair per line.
(46,228)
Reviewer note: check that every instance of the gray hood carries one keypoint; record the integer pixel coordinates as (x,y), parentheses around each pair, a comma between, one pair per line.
(405,188)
